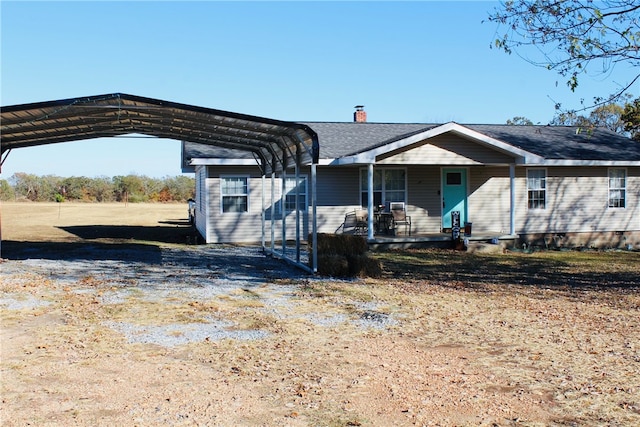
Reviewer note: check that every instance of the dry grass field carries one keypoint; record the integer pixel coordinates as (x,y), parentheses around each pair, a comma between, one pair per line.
(109,318)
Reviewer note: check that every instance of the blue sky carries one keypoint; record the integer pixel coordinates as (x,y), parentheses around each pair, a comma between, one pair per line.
(301,61)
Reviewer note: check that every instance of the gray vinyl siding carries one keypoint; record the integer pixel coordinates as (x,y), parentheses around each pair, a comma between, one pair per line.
(577,201)
(338,193)
(446,150)
(423,199)
(201,201)
(489,199)
(247,226)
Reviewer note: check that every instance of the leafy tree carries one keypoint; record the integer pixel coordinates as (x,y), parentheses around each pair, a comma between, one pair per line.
(74,188)
(608,116)
(573,35)
(520,121)
(6,191)
(49,186)
(26,185)
(128,188)
(181,187)
(152,188)
(631,118)
(571,118)
(101,189)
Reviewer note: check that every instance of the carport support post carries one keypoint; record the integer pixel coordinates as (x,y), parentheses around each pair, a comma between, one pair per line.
(283,215)
(370,201)
(297,213)
(273,218)
(262,215)
(314,235)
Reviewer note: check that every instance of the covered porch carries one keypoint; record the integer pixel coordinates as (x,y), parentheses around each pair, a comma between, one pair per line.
(442,240)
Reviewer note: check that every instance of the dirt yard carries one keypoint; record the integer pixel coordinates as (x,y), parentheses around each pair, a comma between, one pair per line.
(110,319)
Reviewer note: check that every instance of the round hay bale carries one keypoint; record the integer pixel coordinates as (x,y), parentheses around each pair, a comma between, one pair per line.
(333,265)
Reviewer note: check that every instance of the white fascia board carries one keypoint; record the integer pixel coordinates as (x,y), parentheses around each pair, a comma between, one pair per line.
(222,162)
(327,162)
(521,156)
(586,163)
(358,159)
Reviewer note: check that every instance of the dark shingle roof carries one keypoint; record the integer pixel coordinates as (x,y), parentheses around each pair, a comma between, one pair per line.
(194,150)
(565,142)
(344,139)
(551,142)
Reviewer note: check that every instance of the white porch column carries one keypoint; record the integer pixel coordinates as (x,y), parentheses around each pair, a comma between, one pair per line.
(370,201)
(512,191)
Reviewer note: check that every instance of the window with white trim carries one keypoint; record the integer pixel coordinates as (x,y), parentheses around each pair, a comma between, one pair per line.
(234,193)
(389,185)
(290,193)
(537,188)
(617,188)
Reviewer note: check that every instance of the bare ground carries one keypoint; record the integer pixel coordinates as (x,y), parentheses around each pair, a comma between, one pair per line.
(101,327)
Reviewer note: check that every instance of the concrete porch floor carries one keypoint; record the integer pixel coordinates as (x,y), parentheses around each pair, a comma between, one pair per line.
(441,240)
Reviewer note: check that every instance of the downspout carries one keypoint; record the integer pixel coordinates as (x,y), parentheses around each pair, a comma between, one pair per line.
(370,201)
(512,191)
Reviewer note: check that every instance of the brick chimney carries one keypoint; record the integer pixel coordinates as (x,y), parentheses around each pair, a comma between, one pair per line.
(359,116)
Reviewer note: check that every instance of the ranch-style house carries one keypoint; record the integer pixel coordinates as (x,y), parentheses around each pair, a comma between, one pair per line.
(515,185)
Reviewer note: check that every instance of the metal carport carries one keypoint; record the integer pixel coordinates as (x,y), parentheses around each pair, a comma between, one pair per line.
(276,145)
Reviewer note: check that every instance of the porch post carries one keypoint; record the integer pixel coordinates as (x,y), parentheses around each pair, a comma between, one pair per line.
(370,201)
(314,236)
(512,191)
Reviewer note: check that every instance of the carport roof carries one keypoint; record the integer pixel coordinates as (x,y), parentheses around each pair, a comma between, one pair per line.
(276,145)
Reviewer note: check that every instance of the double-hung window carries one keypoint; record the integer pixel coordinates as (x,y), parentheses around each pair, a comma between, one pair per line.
(234,193)
(537,188)
(290,192)
(389,185)
(617,188)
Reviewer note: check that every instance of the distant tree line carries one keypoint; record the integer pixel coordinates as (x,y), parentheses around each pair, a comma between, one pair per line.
(129,188)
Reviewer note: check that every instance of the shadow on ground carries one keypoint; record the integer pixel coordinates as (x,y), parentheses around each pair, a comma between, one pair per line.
(178,233)
(453,269)
(71,251)
(105,242)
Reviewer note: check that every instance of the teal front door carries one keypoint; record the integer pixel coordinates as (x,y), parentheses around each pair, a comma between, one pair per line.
(454,195)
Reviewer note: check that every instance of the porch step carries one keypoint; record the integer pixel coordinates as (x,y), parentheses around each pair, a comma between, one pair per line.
(484,247)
